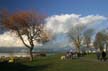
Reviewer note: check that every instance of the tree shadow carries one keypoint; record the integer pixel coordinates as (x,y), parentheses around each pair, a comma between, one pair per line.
(4,66)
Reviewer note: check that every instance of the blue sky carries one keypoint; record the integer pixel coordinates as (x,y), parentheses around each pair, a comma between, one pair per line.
(93,12)
(52,7)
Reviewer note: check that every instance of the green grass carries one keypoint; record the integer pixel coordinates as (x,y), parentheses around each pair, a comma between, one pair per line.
(54,63)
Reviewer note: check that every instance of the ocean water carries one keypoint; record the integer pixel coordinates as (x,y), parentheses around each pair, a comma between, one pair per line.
(14,54)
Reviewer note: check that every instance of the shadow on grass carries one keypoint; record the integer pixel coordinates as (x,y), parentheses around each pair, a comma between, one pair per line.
(4,66)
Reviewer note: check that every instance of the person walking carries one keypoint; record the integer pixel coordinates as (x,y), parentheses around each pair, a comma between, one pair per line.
(103,55)
(98,54)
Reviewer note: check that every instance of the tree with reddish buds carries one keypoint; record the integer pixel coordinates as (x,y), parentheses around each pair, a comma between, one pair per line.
(26,24)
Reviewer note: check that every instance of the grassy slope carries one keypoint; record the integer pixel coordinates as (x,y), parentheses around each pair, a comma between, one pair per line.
(53,63)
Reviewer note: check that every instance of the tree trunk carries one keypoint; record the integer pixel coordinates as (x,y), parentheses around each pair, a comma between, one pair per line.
(106,48)
(87,45)
(78,51)
(31,54)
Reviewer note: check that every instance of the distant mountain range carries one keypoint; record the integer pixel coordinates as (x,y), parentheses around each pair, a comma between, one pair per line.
(38,49)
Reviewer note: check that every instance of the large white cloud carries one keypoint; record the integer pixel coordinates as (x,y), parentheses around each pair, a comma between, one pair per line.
(57,24)
(8,39)
(62,23)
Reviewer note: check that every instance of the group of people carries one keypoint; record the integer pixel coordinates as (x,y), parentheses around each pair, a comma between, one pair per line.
(69,55)
(101,55)
(72,54)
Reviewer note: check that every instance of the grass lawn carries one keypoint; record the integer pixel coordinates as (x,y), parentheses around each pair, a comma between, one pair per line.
(53,63)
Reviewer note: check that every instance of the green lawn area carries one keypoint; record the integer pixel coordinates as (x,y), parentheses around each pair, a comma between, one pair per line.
(54,63)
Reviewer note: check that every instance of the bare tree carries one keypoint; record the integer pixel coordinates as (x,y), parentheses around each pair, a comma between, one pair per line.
(87,37)
(75,35)
(100,40)
(29,26)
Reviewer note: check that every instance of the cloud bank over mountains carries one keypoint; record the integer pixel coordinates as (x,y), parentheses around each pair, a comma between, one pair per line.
(63,23)
(59,25)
